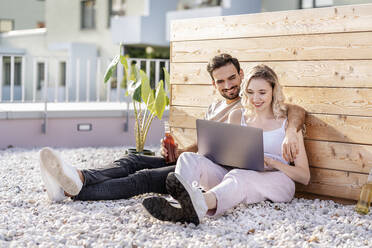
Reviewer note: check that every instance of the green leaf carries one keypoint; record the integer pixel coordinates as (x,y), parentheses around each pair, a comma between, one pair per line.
(134,90)
(137,94)
(124,62)
(160,100)
(167,101)
(124,83)
(148,94)
(166,78)
(134,73)
(111,67)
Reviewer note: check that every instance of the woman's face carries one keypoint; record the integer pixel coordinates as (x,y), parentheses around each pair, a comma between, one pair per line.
(260,94)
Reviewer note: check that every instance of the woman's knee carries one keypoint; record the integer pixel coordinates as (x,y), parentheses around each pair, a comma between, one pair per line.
(187,159)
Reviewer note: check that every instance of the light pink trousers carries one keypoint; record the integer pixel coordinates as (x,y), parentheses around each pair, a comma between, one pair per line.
(234,186)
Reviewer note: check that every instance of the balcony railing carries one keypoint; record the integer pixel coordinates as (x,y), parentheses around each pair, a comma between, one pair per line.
(61,79)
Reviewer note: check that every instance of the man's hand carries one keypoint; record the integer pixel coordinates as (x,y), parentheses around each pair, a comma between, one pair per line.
(290,147)
(164,151)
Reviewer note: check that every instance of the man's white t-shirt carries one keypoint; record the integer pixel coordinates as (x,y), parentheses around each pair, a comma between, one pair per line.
(220,110)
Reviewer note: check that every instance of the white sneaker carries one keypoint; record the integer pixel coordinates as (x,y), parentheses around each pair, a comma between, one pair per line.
(65,175)
(54,191)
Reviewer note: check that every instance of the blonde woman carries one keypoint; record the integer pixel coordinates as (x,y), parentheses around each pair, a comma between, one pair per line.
(263,107)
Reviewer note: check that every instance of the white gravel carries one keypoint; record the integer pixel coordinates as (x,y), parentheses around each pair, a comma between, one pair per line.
(28,219)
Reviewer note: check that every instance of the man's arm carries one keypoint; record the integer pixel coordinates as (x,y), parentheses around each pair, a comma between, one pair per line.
(296,119)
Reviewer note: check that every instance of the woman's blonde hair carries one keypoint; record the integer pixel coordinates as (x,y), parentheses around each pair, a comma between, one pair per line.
(266,73)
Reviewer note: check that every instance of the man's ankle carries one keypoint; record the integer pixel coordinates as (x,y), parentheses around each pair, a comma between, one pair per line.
(81,176)
(67,194)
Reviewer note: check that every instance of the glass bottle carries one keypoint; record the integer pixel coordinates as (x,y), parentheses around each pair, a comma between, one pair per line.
(365,198)
(169,144)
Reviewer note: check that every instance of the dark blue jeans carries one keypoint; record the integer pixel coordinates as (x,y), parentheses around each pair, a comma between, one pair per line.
(124,178)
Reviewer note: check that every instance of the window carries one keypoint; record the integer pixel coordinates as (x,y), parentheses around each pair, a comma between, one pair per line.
(40,75)
(17,70)
(62,73)
(117,7)
(88,14)
(192,4)
(306,4)
(6,25)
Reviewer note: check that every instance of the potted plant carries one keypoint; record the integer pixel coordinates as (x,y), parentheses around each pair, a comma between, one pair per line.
(148,102)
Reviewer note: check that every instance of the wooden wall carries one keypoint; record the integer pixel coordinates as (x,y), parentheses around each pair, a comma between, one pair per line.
(323,58)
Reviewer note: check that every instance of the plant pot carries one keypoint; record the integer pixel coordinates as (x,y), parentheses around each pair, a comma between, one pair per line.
(144,152)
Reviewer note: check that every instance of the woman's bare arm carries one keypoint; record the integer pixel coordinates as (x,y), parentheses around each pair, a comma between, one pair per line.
(300,172)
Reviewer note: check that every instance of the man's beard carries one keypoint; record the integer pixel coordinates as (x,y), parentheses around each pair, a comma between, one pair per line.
(232,97)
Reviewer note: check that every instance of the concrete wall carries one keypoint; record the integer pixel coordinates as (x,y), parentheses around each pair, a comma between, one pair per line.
(153,27)
(27,133)
(25,13)
(112,125)
(137,7)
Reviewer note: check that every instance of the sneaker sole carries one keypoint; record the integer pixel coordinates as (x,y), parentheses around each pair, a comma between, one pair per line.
(54,194)
(53,166)
(178,191)
(161,209)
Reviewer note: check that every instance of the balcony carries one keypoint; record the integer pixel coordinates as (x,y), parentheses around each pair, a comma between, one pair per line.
(47,103)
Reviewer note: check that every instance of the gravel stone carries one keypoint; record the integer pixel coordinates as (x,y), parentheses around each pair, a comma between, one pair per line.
(29,219)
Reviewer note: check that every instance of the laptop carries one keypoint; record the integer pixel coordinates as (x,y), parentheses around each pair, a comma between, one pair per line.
(231,145)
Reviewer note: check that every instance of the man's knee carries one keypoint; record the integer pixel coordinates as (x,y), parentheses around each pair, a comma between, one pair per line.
(132,157)
(127,159)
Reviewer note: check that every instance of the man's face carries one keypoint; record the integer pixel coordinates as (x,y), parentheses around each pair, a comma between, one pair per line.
(227,81)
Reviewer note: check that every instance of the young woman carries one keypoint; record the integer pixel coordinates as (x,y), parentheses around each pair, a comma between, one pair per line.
(264,108)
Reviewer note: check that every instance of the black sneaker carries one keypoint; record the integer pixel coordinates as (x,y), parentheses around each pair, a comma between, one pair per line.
(161,209)
(191,198)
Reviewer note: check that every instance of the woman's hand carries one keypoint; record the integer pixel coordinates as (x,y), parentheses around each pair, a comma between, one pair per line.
(269,163)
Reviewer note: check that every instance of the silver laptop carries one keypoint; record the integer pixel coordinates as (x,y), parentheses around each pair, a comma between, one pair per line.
(231,145)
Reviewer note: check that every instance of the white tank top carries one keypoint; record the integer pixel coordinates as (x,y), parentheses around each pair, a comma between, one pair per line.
(272,141)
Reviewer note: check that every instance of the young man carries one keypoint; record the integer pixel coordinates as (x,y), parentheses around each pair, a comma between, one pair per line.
(137,174)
